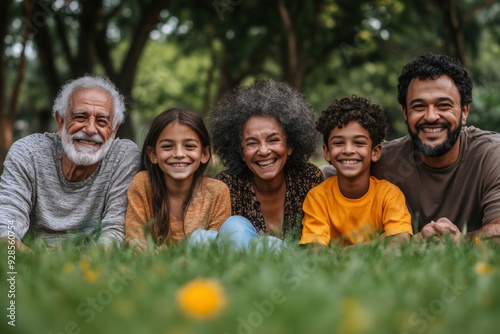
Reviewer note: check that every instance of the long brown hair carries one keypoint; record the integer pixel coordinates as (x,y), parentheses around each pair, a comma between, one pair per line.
(160,228)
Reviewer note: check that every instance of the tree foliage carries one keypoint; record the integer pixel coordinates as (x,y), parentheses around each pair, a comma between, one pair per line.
(162,53)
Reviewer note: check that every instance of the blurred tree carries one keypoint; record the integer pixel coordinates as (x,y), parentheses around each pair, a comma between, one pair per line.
(460,16)
(201,49)
(9,107)
(6,115)
(86,33)
(278,39)
(459,28)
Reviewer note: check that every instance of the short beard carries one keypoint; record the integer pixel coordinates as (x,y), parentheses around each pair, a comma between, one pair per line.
(85,156)
(440,150)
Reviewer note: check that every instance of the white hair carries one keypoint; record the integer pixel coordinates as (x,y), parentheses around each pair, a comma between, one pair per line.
(61,102)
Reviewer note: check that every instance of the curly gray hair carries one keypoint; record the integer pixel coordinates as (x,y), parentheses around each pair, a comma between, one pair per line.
(263,98)
(61,102)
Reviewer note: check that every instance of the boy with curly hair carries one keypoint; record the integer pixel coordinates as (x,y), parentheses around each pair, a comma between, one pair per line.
(353,207)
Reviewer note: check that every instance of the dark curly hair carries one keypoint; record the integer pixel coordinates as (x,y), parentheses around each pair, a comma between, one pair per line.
(432,66)
(353,108)
(263,98)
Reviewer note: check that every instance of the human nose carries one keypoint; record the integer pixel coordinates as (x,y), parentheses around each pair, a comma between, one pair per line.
(431,115)
(264,148)
(348,148)
(90,126)
(179,152)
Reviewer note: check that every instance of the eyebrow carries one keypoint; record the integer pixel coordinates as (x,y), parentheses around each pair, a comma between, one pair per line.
(184,140)
(439,99)
(269,136)
(82,112)
(355,137)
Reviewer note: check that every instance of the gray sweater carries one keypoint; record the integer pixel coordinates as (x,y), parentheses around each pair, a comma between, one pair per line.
(36,197)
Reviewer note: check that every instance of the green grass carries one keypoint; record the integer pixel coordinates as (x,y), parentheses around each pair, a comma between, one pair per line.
(432,288)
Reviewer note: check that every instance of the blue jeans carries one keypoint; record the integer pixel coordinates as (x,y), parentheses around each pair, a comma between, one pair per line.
(240,234)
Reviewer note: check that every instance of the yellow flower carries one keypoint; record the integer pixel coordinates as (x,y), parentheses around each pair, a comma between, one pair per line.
(91,276)
(68,268)
(84,265)
(201,298)
(482,268)
(124,307)
(476,241)
(355,318)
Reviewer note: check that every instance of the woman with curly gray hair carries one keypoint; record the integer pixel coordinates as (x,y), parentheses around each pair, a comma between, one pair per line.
(264,135)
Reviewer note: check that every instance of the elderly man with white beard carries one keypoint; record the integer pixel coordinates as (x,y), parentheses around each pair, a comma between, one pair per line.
(71,184)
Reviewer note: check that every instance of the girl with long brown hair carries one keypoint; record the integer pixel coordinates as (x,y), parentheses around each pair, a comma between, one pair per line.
(171,198)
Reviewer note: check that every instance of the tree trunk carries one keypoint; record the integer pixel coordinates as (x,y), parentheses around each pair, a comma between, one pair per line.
(291,63)
(6,124)
(44,45)
(129,66)
(7,117)
(454,30)
(208,82)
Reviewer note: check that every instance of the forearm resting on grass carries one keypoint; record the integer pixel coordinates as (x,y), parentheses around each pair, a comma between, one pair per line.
(19,245)
(438,229)
(395,241)
(313,246)
(490,231)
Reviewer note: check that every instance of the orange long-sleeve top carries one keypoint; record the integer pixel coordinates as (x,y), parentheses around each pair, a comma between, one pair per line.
(209,208)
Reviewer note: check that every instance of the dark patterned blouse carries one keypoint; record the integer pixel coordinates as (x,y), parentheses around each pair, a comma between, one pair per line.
(298,183)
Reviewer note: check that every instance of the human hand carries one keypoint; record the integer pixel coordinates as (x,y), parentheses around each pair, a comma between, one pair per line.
(18,243)
(437,229)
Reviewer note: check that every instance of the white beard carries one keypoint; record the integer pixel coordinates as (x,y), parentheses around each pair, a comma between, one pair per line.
(84,155)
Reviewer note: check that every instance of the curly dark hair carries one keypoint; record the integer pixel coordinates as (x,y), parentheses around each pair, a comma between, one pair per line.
(263,98)
(353,108)
(432,66)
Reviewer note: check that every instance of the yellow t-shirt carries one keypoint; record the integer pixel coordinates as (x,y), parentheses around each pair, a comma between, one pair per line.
(328,215)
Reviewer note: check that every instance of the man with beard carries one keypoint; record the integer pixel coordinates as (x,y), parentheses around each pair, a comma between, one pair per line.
(448,172)
(71,184)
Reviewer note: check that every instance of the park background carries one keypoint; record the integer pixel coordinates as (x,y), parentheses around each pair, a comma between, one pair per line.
(164,53)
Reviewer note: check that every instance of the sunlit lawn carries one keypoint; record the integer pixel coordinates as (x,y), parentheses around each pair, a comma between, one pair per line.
(420,289)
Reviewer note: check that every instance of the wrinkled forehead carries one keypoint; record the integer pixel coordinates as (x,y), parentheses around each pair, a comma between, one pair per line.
(92,98)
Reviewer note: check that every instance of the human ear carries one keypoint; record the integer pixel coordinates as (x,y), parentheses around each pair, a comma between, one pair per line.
(205,155)
(465,114)
(405,113)
(152,155)
(376,153)
(326,153)
(60,123)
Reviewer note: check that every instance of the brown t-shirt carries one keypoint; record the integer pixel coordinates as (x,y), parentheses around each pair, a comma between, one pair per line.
(467,192)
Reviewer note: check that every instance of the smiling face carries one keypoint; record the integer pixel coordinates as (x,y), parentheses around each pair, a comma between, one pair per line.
(265,148)
(434,115)
(350,151)
(178,152)
(87,130)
